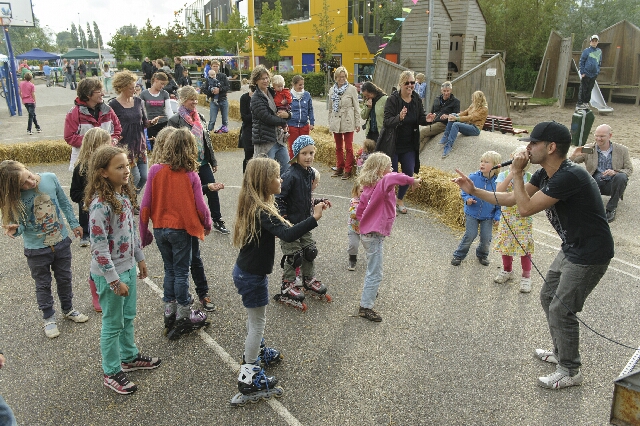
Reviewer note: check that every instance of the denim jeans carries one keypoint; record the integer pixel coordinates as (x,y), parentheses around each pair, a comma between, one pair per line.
(280,153)
(455,127)
(213,200)
(139,173)
(6,415)
(253,288)
(175,248)
(31,109)
(408,162)
(197,269)
(83,218)
(470,234)
(563,294)
(373,245)
(354,243)
(117,343)
(213,113)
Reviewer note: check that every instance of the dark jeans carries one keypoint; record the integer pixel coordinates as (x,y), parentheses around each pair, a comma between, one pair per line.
(83,218)
(613,187)
(586,86)
(470,234)
(206,176)
(175,248)
(408,162)
(197,269)
(248,155)
(31,109)
(41,263)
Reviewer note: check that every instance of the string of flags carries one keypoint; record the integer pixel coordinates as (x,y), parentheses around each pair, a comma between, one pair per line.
(390,37)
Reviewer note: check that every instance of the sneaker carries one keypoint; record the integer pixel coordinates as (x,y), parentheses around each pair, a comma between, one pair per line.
(503,277)
(525,285)
(369,314)
(560,379)
(39,130)
(337,173)
(346,175)
(119,383)
(447,151)
(29,132)
(611,215)
(141,362)
(218,225)
(207,304)
(352,265)
(85,242)
(222,129)
(484,261)
(76,316)
(456,261)
(51,328)
(546,356)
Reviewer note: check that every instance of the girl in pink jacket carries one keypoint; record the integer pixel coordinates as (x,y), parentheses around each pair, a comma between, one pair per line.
(376,213)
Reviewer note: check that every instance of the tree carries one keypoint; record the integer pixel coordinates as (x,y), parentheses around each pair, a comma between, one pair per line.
(97,35)
(234,32)
(24,39)
(151,41)
(83,37)
(64,40)
(130,29)
(120,45)
(386,18)
(271,35)
(202,40)
(327,44)
(91,42)
(74,36)
(175,43)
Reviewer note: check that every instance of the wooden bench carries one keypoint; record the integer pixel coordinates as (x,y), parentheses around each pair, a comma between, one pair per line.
(502,124)
(519,102)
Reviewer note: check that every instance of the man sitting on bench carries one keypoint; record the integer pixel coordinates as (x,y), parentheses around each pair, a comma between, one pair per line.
(609,164)
(443,105)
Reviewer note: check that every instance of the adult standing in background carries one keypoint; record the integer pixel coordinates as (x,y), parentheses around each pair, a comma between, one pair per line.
(343,121)
(400,139)
(157,103)
(244,139)
(610,165)
(373,109)
(89,111)
(572,202)
(302,119)
(177,67)
(73,73)
(46,69)
(267,120)
(82,69)
(216,87)
(438,118)
(590,61)
(147,71)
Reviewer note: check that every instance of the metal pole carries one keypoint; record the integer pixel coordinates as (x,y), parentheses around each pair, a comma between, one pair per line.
(253,55)
(13,91)
(427,73)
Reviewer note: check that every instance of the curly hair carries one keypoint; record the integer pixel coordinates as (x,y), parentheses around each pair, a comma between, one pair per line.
(87,86)
(257,73)
(91,141)
(254,198)
(373,169)
(123,79)
(12,208)
(180,151)
(99,186)
(158,146)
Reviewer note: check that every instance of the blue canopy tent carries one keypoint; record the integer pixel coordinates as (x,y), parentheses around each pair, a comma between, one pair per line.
(38,54)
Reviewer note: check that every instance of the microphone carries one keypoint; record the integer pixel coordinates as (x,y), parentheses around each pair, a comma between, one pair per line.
(505,164)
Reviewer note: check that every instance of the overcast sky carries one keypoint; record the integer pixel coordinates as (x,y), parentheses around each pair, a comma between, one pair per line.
(108,14)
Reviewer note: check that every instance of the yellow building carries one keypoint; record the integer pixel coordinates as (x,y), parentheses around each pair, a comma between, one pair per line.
(355,19)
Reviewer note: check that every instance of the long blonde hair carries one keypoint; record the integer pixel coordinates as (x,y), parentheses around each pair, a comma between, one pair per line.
(255,197)
(98,186)
(478,100)
(180,151)
(91,141)
(158,145)
(12,208)
(373,169)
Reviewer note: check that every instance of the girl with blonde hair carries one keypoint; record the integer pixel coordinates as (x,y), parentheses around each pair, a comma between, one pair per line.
(469,122)
(257,225)
(376,213)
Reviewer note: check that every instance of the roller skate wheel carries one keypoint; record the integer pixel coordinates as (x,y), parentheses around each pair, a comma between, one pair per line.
(328,298)
(304,307)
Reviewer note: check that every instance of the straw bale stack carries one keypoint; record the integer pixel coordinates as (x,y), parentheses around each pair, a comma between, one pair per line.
(36,152)
(234,107)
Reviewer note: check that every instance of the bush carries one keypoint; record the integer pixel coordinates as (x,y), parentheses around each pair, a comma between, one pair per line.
(130,65)
(518,78)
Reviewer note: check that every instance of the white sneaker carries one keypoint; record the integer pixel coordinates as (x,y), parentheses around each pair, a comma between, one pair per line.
(560,379)
(503,277)
(51,328)
(525,285)
(546,356)
(76,316)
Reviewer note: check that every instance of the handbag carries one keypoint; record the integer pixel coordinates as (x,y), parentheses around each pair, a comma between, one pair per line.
(387,141)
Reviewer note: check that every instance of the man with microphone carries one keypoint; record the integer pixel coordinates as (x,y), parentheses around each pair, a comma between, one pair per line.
(572,202)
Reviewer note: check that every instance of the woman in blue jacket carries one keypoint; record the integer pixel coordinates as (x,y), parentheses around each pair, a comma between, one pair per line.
(302,119)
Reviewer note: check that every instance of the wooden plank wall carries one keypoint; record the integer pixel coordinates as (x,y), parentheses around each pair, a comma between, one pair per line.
(467,19)
(386,74)
(548,73)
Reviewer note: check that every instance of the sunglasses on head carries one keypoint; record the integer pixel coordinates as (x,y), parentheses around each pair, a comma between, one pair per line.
(406,83)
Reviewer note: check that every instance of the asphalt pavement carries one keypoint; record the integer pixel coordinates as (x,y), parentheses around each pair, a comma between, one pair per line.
(454,348)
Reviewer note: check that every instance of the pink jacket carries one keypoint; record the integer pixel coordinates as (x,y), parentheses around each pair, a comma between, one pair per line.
(79,120)
(377,209)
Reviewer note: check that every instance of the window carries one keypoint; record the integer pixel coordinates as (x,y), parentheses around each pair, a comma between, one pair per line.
(361,13)
(350,17)
(438,39)
(475,44)
(372,17)
(292,10)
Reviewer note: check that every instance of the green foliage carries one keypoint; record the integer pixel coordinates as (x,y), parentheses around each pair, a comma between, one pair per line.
(83,37)
(130,65)
(151,41)
(202,41)
(120,46)
(270,34)
(386,16)
(233,33)
(91,42)
(24,39)
(520,78)
(75,40)
(97,35)
(64,40)
(324,31)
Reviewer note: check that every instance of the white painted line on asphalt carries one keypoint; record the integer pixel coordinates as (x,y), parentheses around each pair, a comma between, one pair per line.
(232,364)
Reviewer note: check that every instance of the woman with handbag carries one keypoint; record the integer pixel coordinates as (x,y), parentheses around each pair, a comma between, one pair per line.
(343,120)
(373,108)
(400,135)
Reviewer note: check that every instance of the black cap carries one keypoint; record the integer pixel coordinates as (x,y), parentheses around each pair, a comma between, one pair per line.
(549,131)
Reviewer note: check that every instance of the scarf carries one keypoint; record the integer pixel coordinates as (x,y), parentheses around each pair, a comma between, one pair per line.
(193,119)
(297,95)
(337,94)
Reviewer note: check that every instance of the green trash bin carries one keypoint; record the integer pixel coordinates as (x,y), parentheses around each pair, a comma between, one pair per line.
(581,126)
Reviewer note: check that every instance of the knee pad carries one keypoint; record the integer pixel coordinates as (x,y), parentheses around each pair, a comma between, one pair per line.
(310,252)
(295,260)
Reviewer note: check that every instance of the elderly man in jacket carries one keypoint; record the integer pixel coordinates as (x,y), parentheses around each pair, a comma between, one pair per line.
(443,105)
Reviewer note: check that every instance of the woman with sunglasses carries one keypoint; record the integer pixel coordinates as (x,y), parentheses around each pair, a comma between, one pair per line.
(400,135)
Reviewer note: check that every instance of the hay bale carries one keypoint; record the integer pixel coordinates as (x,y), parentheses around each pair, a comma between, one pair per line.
(325,146)
(36,152)
(225,141)
(234,111)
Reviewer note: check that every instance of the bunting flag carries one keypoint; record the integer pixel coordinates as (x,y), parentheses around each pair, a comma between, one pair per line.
(382,45)
(406,9)
(415,2)
(390,37)
(399,19)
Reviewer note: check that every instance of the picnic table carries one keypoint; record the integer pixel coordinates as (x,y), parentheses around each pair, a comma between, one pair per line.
(519,102)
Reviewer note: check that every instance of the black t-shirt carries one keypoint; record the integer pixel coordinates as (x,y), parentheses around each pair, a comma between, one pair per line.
(404,135)
(578,217)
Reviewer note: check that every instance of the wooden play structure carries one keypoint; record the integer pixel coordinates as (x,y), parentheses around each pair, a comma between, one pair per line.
(619,74)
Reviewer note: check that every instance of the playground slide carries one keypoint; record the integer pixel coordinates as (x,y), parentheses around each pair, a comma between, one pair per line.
(597,100)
